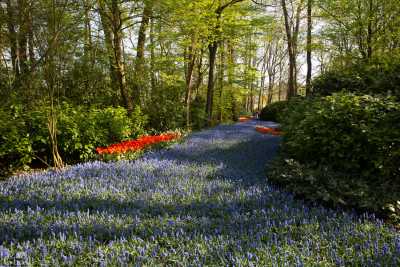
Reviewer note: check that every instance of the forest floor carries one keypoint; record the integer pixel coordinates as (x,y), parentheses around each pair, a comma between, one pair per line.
(205,201)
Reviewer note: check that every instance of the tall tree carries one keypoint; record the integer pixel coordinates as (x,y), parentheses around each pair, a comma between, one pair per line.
(140,60)
(309,47)
(112,22)
(12,36)
(212,52)
(292,32)
(190,65)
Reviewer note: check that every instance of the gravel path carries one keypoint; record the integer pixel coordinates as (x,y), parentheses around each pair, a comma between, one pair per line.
(205,202)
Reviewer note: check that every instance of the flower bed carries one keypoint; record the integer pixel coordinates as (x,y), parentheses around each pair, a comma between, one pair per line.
(268,130)
(138,144)
(244,118)
(204,202)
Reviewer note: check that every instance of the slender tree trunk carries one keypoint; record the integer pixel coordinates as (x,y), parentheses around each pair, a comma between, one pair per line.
(260,93)
(22,36)
(88,33)
(139,66)
(112,26)
(231,74)
(221,82)
(295,41)
(152,58)
(200,74)
(309,47)
(292,65)
(108,42)
(88,58)
(370,31)
(120,71)
(191,61)
(51,72)
(213,49)
(31,45)
(12,37)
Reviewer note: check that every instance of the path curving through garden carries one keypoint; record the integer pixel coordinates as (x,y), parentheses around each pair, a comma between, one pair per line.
(204,202)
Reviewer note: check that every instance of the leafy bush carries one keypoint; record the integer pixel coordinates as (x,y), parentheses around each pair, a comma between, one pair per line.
(80,130)
(355,134)
(273,112)
(166,113)
(380,76)
(15,141)
(198,114)
(342,148)
(316,183)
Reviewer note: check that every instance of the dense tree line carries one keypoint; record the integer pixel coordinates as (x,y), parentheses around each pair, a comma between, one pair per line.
(181,63)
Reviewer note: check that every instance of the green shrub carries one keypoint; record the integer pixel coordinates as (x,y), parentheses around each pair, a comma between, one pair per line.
(322,183)
(355,134)
(378,76)
(166,113)
(344,149)
(274,111)
(198,114)
(15,141)
(80,130)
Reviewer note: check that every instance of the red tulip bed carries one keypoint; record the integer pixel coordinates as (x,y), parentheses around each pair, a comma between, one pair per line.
(267,130)
(138,145)
(244,118)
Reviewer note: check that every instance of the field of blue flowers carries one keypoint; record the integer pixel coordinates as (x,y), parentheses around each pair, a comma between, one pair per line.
(204,202)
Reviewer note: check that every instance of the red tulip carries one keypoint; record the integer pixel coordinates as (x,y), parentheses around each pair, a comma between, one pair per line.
(136,145)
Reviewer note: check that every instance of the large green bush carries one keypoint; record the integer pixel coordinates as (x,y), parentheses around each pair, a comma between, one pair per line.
(273,111)
(166,113)
(379,76)
(343,148)
(15,140)
(80,130)
(356,134)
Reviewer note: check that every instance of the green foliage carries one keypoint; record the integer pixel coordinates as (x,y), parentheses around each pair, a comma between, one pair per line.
(351,133)
(15,141)
(166,112)
(274,111)
(342,148)
(80,130)
(375,77)
(198,113)
(322,183)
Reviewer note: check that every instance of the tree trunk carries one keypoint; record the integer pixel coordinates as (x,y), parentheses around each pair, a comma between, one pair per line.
(200,74)
(152,58)
(291,87)
(112,26)
(370,31)
(88,33)
(31,45)
(108,42)
(294,43)
(22,36)
(221,82)
(212,48)
(139,66)
(51,78)
(191,61)
(309,47)
(120,71)
(12,37)
(231,74)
